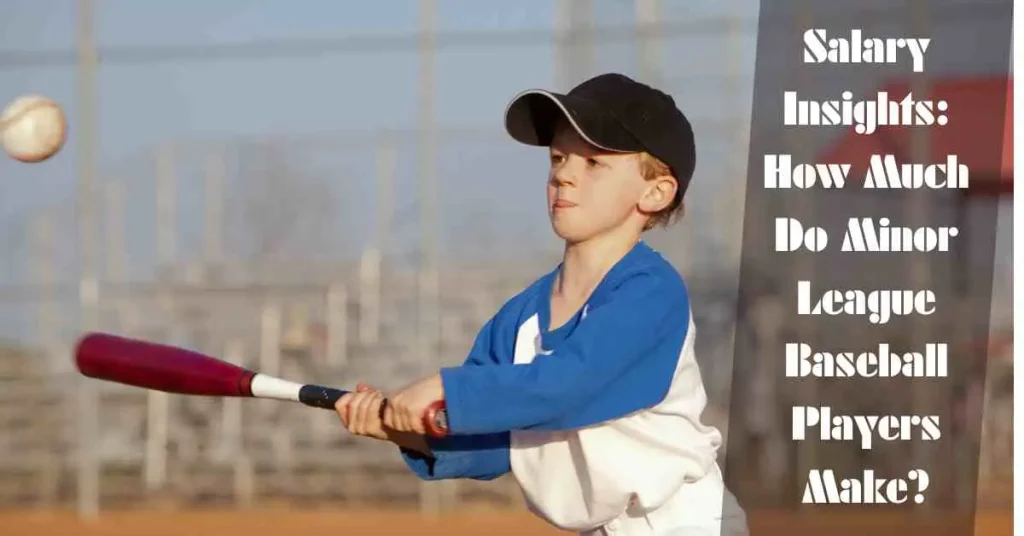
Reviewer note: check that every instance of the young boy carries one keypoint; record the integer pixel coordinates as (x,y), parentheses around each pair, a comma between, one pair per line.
(584,386)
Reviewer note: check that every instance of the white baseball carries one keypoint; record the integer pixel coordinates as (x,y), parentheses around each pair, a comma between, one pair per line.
(32,128)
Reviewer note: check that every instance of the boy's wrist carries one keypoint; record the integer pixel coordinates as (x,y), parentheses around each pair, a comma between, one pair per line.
(450,379)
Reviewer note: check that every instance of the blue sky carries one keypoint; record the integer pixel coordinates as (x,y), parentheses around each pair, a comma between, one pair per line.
(491,189)
(141,105)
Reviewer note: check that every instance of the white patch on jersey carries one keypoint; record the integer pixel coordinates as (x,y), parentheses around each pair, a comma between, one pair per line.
(646,466)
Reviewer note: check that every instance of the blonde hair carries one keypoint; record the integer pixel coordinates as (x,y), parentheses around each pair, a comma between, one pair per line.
(651,168)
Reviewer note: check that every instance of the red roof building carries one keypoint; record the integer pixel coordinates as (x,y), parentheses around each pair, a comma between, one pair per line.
(979,132)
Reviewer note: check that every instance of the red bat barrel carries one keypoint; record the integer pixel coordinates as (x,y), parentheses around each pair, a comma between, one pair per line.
(176,370)
(155,366)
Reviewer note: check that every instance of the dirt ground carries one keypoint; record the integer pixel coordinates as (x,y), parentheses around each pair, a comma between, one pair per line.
(289,523)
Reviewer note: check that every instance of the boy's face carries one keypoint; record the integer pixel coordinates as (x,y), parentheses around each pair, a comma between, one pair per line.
(591,191)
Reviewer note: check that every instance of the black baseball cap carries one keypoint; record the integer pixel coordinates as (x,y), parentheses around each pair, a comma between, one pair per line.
(612,112)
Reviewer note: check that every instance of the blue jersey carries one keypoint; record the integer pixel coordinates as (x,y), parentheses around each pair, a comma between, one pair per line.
(595,417)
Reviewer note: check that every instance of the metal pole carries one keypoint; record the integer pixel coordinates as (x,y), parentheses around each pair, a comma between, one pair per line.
(88,406)
(270,340)
(43,268)
(337,326)
(213,219)
(430,499)
(157,403)
(427,170)
(574,41)
(371,267)
(166,196)
(561,58)
(387,163)
(583,53)
(113,210)
(647,21)
(735,200)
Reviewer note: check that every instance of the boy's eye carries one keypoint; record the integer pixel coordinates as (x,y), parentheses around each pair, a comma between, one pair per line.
(557,159)
(593,162)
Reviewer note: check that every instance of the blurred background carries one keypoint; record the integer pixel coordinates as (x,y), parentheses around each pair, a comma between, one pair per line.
(325,191)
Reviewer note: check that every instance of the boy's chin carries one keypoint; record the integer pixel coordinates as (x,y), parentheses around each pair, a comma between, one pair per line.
(570,233)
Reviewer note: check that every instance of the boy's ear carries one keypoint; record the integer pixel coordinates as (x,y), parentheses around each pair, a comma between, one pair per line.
(659,195)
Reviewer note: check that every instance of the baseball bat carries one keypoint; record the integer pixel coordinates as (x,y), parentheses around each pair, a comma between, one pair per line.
(176,370)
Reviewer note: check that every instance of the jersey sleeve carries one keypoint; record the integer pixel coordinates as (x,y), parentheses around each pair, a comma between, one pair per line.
(476,456)
(620,359)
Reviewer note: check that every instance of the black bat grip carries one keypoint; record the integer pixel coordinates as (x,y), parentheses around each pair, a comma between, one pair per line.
(320,397)
(435,419)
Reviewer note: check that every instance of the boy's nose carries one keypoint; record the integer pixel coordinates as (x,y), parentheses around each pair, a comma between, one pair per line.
(566,175)
(563,179)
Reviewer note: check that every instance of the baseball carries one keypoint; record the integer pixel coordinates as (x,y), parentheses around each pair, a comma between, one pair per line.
(32,128)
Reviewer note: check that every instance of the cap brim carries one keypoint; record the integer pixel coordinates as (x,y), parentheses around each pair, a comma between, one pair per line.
(532,116)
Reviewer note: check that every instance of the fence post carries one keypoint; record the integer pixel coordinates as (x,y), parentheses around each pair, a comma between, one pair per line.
(337,325)
(88,404)
(213,207)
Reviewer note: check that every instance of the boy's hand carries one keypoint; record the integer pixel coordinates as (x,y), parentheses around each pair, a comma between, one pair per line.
(360,412)
(405,410)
